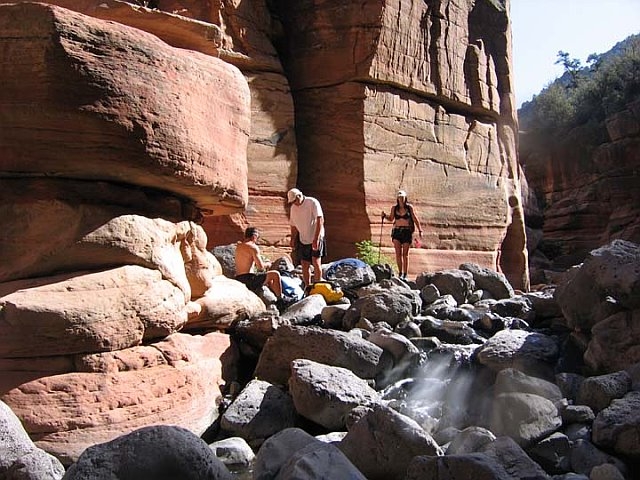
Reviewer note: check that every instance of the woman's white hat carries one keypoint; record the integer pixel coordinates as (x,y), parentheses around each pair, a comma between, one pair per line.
(401,193)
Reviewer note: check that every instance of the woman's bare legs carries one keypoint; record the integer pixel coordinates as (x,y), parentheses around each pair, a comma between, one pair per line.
(405,258)
(398,247)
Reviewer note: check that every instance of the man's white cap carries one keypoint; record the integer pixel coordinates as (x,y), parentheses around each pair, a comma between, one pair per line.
(401,193)
(293,194)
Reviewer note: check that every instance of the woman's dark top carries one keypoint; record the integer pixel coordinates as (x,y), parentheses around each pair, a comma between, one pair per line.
(406,216)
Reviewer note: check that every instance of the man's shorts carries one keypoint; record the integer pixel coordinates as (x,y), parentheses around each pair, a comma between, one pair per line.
(253,281)
(306,253)
(402,234)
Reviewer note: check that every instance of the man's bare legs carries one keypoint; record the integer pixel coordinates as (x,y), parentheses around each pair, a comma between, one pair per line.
(317,269)
(306,274)
(306,270)
(273,282)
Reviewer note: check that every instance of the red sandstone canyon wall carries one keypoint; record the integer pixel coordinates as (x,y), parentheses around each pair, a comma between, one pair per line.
(134,139)
(583,197)
(411,95)
(351,102)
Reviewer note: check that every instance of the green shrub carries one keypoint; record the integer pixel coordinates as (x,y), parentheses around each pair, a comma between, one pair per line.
(370,253)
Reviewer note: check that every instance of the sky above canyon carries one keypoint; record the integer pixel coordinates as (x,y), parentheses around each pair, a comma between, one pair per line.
(540,28)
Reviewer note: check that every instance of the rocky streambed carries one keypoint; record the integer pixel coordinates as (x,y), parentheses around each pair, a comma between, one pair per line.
(454,375)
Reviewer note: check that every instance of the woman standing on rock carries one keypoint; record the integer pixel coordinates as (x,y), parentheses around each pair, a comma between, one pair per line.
(405,222)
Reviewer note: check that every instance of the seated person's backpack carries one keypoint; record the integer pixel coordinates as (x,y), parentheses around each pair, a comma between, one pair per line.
(291,288)
(330,291)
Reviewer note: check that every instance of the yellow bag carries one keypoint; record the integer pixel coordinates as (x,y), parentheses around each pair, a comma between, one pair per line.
(331,293)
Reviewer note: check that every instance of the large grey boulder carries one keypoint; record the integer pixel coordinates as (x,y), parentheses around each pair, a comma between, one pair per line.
(544,303)
(318,461)
(476,466)
(616,427)
(457,283)
(585,456)
(493,282)
(518,306)
(20,459)
(403,352)
(276,451)
(606,471)
(530,352)
(234,452)
(511,380)
(305,311)
(614,342)
(383,442)
(330,347)
(569,384)
(255,331)
(258,412)
(513,459)
(226,255)
(384,306)
(160,452)
(525,417)
(326,394)
(470,440)
(552,453)
(607,282)
(597,392)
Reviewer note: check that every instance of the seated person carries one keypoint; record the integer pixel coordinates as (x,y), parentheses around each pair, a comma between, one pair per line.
(248,257)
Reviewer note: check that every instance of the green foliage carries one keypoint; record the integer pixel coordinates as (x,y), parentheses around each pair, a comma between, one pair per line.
(622,79)
(572,67)
(370,253)
(586,94)
(553,108)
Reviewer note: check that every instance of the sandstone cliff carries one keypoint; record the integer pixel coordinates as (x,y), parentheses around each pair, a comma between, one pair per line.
(411,95)
(105,164)
(371,98)
(134,139)
(582,196)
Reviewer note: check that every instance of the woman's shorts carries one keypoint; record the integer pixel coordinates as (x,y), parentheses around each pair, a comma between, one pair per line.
(402,234)
(306,253)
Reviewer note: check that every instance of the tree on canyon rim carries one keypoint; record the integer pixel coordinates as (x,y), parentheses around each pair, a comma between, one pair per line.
(586,93)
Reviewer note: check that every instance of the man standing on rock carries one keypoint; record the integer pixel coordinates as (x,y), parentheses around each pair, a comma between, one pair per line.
(307,233)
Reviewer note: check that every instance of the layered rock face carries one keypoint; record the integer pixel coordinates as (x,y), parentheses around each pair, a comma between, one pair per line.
(238,33)
(119,137)
(411,95)
(144,111)
(112,144)
(586,197)
(387,95)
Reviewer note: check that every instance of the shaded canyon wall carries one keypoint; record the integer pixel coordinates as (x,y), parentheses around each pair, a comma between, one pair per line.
(583,190)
